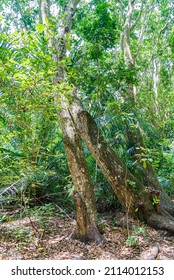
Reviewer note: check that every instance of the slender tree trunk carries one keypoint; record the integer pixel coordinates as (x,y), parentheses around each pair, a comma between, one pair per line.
(155,84)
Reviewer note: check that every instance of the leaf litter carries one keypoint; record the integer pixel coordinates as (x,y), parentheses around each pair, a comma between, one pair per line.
(18,240)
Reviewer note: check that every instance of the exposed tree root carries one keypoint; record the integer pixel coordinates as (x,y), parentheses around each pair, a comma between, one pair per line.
(165,213)
(162,222)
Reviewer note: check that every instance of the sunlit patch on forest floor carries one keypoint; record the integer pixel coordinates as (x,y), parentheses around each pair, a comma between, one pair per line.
(23,239)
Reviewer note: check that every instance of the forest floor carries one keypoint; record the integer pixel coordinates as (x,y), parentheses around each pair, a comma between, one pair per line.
(25,239)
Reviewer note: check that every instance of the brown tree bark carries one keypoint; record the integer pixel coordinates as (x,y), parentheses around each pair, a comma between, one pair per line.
(86,213)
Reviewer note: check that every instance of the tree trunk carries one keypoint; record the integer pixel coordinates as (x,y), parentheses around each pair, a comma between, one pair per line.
(86,213)
(156,68)
(131,193)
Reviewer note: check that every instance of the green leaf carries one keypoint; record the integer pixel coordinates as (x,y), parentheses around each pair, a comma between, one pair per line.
(144,164)
(40,27)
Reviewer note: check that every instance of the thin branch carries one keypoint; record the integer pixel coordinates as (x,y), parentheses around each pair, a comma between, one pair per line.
(63,211)
(140,40)
(125,36)
(121,12)
(129,14)
(138,18)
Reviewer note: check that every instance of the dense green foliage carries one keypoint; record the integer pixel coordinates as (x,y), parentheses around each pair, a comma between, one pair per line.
(32,159)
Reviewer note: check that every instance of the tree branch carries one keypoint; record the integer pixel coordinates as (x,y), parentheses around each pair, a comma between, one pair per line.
(125,36)
(138,18)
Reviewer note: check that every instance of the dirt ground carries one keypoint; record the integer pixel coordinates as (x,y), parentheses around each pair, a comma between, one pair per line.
(23,239)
